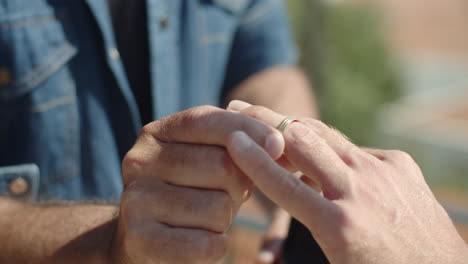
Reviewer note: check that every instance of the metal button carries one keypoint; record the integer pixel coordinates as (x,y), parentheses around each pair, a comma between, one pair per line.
(164,21)
(18,186)
(5,77)
(114,53)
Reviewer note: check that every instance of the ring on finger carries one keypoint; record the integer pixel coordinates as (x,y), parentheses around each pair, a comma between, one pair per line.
(285,123)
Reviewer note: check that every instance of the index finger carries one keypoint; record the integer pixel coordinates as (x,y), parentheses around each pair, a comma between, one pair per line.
(212,126)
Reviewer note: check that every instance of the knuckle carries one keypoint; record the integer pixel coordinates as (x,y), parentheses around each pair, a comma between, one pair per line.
(132,166)
(148,129)
(357,159)
(257,112)
(318,125)
(309,140)
(199,117)
(405,156)
(371,162)
(403,162)
(399,156)
(393,154)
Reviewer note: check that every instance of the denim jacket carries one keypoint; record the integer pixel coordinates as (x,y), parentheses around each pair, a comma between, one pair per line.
(67,113)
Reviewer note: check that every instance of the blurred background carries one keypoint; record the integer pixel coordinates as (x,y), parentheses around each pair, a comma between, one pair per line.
(389,74)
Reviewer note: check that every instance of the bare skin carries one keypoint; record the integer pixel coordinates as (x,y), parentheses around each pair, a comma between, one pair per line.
(285,90)
(176,177)
(375,206)
(56,233)
(169,213)
(179,214)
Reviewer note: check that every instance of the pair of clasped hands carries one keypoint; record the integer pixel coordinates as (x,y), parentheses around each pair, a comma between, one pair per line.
(189,173)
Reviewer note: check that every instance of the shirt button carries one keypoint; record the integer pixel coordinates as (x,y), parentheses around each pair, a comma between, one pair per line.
(164,21)
(5,77)
(114,53)
(18,186)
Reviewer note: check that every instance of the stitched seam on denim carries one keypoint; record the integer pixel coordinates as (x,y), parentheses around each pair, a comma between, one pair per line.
(34,20)
(215,38)
(23,169)
(22,15)
(53,103)
(259,12)
(40,73)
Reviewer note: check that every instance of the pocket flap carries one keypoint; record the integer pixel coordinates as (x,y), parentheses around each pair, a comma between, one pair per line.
(37,75)
(34,45)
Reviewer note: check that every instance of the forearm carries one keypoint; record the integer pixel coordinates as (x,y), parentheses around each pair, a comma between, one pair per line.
(283,89)
(55,233)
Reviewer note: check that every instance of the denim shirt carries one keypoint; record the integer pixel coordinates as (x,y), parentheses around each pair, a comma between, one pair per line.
(67,113)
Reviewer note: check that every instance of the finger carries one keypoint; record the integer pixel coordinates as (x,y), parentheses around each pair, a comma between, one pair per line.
(311,153)
(339,142)
(181,206)
(199,166)
(212,126)
(334,138)
(277,183)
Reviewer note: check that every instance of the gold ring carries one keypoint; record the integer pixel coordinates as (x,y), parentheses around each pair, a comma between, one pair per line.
(285,123)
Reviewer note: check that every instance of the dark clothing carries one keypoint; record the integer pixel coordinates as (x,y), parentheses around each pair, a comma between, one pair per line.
(301,248)
(129,19)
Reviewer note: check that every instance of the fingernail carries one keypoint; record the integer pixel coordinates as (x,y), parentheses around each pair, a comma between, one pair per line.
(246,195)
(274,145)
(237,105)
(266,257)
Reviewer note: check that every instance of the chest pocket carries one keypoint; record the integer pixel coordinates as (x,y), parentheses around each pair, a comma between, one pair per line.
(38,111)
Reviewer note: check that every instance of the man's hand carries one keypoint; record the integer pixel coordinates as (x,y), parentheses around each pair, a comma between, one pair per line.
(375,206)
(182,189)
(284,89)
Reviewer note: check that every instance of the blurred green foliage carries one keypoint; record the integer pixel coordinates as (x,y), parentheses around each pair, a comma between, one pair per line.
(343,51)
